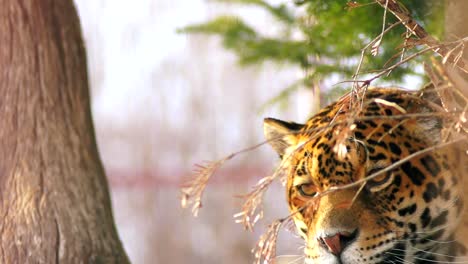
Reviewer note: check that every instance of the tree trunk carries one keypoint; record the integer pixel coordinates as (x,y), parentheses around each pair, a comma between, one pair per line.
(54,201)
(456,27)
(456,21)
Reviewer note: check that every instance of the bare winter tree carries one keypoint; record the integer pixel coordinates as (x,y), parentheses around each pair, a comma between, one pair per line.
(54,201)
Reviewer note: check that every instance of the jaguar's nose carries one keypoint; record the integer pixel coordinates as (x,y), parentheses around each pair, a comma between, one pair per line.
(336,243)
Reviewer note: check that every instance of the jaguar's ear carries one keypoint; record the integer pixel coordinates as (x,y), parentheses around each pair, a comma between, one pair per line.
(281,134)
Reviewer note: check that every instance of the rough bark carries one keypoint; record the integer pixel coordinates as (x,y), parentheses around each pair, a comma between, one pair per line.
(456,21)
(54,201)
(456,27)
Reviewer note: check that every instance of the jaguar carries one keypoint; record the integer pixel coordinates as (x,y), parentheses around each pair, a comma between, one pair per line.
(372,179)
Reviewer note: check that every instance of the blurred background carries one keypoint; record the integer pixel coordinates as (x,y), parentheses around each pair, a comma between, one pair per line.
(163,101)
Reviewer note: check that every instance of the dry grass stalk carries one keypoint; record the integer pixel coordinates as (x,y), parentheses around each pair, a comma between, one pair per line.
(252,209)
(193,192)
(265,250)
(400,12)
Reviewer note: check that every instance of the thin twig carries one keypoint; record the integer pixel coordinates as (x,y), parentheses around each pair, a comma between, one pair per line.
(375,47)
(363,50)
(403,15)
(388,69)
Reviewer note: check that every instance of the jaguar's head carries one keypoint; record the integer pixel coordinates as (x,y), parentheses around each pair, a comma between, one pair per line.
(407,213)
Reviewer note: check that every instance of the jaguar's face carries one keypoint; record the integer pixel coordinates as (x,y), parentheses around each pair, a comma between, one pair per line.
(406,214)
(389,218)
(334,225)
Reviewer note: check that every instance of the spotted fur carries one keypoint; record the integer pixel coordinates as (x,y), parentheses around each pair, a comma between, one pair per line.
(409,214)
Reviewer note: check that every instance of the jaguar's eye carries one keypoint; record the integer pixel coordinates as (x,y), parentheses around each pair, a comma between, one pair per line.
(307,189)
(380,181)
